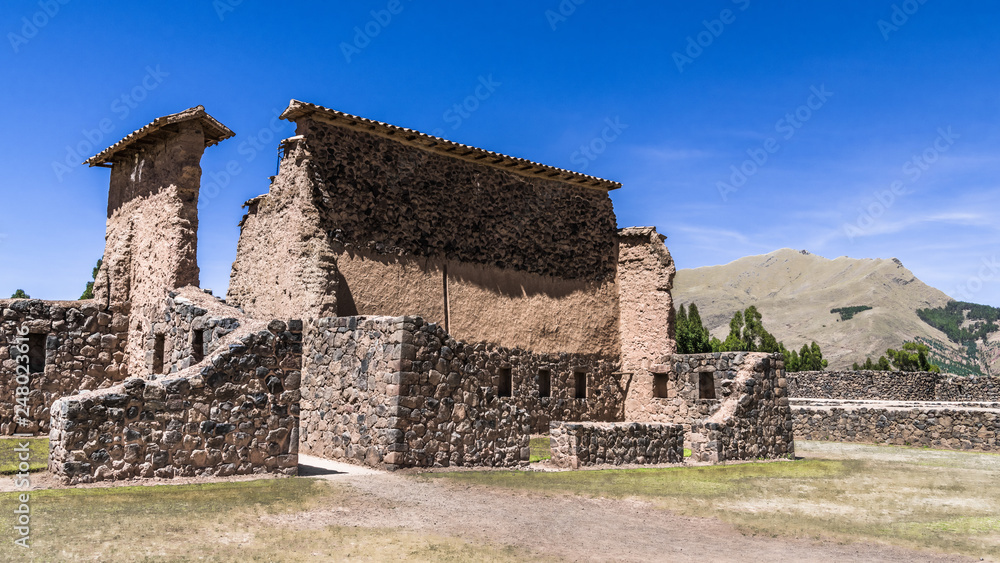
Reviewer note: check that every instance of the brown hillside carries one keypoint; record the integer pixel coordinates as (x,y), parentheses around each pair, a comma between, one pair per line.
(795,291)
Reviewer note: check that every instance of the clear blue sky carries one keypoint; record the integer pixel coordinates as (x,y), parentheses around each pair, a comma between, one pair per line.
(833,105)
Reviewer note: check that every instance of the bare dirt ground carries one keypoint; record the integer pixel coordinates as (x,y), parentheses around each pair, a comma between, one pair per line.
(568,527)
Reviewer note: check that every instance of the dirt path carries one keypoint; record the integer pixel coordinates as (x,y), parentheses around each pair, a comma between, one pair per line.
(570,527)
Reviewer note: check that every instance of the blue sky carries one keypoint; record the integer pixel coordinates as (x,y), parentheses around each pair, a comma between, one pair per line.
(859,128)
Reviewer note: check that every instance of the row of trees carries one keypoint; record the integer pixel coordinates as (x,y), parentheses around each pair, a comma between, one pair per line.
(746,334)
(912,357)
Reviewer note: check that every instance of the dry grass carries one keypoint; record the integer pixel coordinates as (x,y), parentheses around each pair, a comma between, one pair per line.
(216,522)
(946,501)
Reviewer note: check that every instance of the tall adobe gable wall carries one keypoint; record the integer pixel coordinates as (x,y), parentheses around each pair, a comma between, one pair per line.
(361,223)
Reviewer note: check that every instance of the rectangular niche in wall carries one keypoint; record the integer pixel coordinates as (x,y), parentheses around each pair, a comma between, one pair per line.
(544,383)
(158,353)
(36,353)
(506,384)
(198,345)
(706,385)
(580,384)
(660,385)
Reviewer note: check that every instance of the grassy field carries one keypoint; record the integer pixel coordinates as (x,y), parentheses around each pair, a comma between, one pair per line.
(217,522)
(946,501)
(38,450)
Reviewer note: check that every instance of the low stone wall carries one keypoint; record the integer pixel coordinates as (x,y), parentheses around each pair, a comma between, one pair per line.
(892,386)
(75,346)
(679,398)
(576,444)
(236,413)
(754,420)
(961,428)
(399,392)
(193,324)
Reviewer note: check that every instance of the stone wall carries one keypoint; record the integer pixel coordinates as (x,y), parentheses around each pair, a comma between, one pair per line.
(236,413)
(935,426)
(75,346)
(892,386)
(670,392)
(754,420)
(402,199)
(594,443)
(193,326)
(400,392)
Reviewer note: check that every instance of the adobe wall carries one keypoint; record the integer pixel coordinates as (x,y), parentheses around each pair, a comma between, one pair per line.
(893,386)
(755,420)
(151,241)
(578,444)
(372,224)
(645,278)
(399,392)
(82,348)
(934,425)
(236,413)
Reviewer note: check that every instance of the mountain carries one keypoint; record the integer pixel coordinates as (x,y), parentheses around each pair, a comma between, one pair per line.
(795,292)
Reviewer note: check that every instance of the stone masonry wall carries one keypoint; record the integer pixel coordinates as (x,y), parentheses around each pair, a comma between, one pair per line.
(755,420)
(81,347)
(400,199)
(892,386)
(935,426)
(190,314)
(576,444)
(236,413)
(401,392)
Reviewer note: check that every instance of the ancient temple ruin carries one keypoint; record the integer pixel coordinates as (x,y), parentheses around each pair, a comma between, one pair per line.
(397,300)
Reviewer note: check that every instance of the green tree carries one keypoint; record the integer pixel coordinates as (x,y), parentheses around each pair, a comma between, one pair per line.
(912,357)
(89,292)
(747,334)
(701,340)
(20,294)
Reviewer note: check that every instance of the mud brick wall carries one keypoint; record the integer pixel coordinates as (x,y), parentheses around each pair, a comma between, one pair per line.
(755,420)
(593,443)
(400,392)
(645,278)
(191,319)
(77,347)
(400,199)
(235,414)
(944,428)
(892,386)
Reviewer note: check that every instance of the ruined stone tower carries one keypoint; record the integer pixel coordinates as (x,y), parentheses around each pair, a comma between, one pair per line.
(152,230)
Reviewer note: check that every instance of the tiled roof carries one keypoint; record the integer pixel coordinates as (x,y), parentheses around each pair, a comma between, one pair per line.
(297,109)
(146,135)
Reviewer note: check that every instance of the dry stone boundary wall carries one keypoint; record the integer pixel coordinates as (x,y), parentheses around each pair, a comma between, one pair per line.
(892,386)
(935,427)
(577,444)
